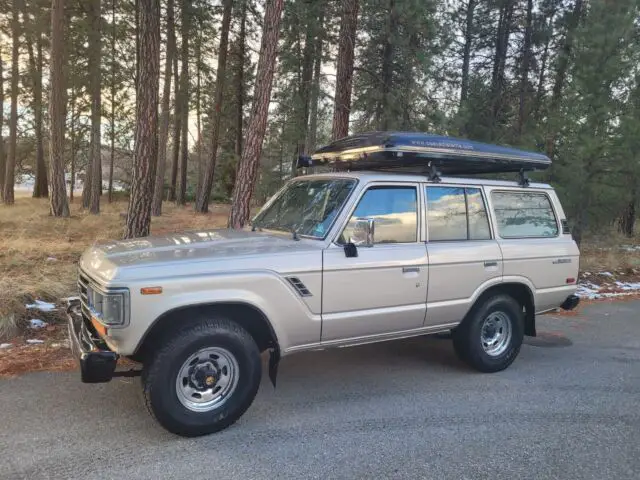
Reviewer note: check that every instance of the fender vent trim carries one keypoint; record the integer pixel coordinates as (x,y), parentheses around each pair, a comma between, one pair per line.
(300,287)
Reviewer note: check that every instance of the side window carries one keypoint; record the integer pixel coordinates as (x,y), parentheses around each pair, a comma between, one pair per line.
(456,213)
(524,214)
(394,210)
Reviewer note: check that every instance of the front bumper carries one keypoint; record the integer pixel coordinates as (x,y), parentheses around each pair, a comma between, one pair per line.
(571,302)
(97,362)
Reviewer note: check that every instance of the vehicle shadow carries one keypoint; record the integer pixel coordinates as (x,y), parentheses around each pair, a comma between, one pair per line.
(321,380)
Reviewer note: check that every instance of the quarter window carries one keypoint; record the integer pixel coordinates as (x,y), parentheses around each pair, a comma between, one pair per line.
(524,214)
(456,213)
(394,210)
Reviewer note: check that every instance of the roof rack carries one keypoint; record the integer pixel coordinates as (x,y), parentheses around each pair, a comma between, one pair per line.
(426,154)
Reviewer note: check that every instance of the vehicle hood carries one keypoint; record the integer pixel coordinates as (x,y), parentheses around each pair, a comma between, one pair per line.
(210,250)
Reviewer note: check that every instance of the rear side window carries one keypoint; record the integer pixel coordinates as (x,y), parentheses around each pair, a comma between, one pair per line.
(524,215)
(456,213)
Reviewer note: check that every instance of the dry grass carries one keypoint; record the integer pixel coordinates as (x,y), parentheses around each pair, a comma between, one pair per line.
(610,252)
(39,253)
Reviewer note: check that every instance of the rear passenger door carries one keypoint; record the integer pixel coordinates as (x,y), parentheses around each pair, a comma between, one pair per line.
(463,255)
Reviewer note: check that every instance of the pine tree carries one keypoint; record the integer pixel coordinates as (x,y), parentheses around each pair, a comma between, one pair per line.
(138,222)
(202,202)
(344,77)
(10,168)
(158,192)
(248,166)
(58,198)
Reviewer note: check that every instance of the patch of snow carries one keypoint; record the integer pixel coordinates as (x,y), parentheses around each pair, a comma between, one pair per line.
(37,323)
(606,274)
(34,341)
(42,306)
(6,345)
(52,259)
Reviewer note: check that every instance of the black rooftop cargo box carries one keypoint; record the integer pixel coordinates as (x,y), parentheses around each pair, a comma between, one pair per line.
(422,152)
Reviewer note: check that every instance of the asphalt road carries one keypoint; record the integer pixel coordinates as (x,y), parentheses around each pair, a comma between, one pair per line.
(569,407)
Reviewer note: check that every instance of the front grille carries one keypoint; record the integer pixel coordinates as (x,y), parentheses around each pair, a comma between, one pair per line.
(83,286)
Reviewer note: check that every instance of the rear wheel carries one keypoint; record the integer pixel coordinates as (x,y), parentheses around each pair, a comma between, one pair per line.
(204,378)
(489,339)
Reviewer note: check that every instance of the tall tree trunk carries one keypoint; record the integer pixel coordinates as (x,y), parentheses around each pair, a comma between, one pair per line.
(561,73)
(9,179)
(138,222)
(500,60)
(240,78)
(177,128)
(304,88)
(184,104)
(113,99)
(382,110)
(344,74)
(158,191)
(40,187)
(95,59)
(202,202)
(3,164)
(526,63)
(627,219)
(201,167)
(466,52)
(541,80)
(248,166)
(57,112)
(72,134)
(315,84)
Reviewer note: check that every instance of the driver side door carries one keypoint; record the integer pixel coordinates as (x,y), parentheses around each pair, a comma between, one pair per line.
(384,289)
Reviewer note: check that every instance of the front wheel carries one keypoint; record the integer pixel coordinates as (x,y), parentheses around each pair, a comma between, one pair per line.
(204,378)
(489,339)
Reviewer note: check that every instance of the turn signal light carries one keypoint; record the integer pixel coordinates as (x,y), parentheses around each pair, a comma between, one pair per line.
(571,280)
(151,290)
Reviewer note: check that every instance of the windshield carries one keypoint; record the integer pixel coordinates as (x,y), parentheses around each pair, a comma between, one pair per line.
(306,207)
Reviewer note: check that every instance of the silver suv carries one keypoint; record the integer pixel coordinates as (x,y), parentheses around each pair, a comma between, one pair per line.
(333,259)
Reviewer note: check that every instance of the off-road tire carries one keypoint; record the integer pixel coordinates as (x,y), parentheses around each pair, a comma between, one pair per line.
(160,374)
(467,337)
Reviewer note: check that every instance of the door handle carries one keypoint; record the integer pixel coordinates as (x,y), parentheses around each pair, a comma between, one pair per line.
(490,264)
(410,269)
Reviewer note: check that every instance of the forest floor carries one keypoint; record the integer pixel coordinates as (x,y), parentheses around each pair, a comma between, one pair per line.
(38,270)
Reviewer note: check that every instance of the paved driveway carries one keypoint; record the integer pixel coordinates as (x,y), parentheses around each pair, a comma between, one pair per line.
(569,407)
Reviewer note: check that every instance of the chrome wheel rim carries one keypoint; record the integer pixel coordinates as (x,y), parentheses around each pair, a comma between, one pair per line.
(495,334)
(207,379)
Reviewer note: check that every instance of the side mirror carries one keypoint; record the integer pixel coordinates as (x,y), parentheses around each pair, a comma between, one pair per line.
(363,233)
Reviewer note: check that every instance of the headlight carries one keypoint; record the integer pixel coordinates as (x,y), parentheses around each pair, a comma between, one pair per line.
(110,308)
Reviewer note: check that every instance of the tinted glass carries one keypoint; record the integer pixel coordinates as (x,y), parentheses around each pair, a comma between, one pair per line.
(394,210)
(478,220)
(524,214)
(446,214)
(307,207)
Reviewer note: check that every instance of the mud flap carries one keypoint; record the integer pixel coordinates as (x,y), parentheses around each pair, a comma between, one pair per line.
(274,360)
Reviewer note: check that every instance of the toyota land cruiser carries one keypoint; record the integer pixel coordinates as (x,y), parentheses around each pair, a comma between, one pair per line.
(393,244)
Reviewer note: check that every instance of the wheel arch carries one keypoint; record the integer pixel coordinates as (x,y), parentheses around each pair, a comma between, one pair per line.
(522,293)
(250,317)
